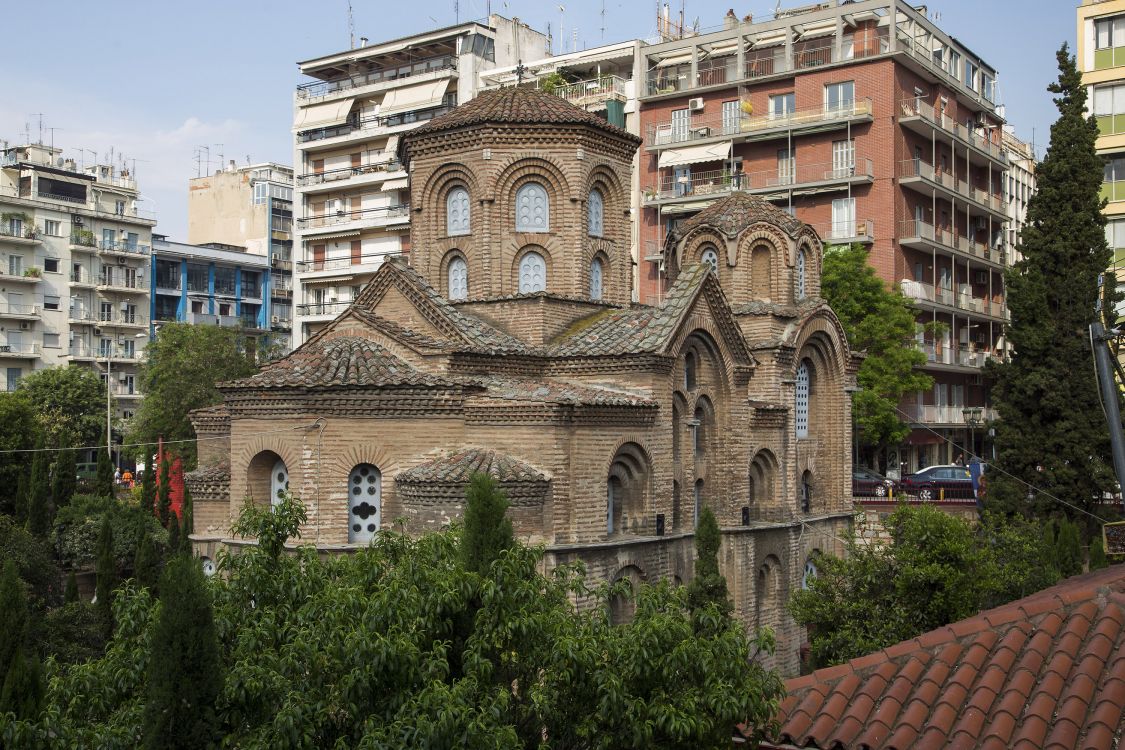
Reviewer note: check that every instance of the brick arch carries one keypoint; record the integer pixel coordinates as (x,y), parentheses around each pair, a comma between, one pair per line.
(275,443)
(517,256)
(621,609)
(438,185)
(608,267)
(242,477)
(824,328)
(340,464)
(749,261)
(813,265)
(688,247)
(521,169)
(443,271)
(763,475)
(698,324)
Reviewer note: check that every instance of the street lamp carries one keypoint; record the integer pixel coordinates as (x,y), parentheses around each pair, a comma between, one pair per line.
(972,415)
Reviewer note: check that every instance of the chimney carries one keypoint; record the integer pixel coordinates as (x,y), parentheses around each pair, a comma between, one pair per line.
(363,41)
(230,165)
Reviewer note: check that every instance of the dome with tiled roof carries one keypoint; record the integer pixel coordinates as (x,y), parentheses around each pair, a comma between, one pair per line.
(737,211)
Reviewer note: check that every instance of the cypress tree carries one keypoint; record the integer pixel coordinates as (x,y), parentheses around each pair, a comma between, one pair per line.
(708,586)
(71,594)
(488,531)
(173,535)
(13,614)
(103,479)
(21,494)
(148,486)
(187,521)
(1097,554)
(146,564)
(1068,549)
(184,678)
(1050,413)
(65,480)
(106,568)
(164,490)
(38,494)
(24,686)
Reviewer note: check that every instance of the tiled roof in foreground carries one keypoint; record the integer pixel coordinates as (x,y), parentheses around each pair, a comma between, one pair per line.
(739,210)
(1047,671)
(459,468)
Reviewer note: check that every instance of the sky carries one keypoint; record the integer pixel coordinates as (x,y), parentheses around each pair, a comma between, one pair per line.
(151,82)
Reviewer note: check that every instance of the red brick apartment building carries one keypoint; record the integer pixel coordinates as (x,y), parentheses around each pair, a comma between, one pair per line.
(868,122)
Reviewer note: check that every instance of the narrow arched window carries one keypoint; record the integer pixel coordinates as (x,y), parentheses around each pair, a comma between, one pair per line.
(698,435)
(613,498)
(810,573)
(533,211)
(801,400)
(533,273)
(806,492)
(698,502)
(801,274)
(365,496)
(279,482)
(595,214)
(595,279)
(458,273)
(689,371)
(457,211)
(711,258)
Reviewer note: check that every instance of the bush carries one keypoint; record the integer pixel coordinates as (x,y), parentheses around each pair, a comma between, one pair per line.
(76,531)
(73,633)
(34,563)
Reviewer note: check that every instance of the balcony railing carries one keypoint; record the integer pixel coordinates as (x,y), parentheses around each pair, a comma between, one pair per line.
(64,198)
(961,355)
(950,240)
(322,308)
(317,89)
(124,247)
(8,309)
(83,239)
(593,92)
(917,108)
(927,414)
(946,179)
(335,264)
(19,231)
(19,350)
(122,319)
(346,173)
(81,278)
(349,216)
(81,315)
(855,230)
(923,292)
(743,125)
(118,282)
(721,181)
(356,123)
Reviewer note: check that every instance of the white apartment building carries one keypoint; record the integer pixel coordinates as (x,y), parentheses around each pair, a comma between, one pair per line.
(352,195)
(74,269)
(1019,187)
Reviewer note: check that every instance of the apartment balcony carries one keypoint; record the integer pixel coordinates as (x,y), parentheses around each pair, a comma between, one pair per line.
(83,242)
(82,353)
(860,231)
(210,319)
(700,189)
(946,300)
(921,235)
(347,177)
(355,125)
(83,280)
(281,264)
(713,127)
(921,51)
(122,320)
(922,178)
(323,310)
(26,276)
(20,235)
(18,312)
(81,317)
(124,249)
(19,351)
(944,415)
(922,118)
(357,218)
(117,284)
(594,93)
(361,263)
(960,357)
(316,90)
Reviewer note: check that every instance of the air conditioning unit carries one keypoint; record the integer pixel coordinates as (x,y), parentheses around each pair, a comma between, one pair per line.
(980,277)
(701,132)
(97,332)
(76,220)
(695,104)
(275,319)
(25,325)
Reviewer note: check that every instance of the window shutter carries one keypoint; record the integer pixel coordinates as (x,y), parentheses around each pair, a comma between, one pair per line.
(357,252)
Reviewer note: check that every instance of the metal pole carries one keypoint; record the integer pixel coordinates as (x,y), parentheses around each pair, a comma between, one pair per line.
(109,402)
(1110,397)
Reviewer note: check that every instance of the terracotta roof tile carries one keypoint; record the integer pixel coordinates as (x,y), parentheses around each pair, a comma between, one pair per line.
(459,468)
(1047,671)
(739,210)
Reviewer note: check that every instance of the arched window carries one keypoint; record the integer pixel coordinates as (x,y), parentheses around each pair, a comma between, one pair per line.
(806,492)
(595,214)
(689,371)
(627,491)
(613,498)
(457,211)
(801,400)
(279,482)
(760,272)
(800,274)
(533,212)
(699,434)
(698,502)
(458,278)
(711,257)
(810,572)
(365,502)
(533,273)
(595,279)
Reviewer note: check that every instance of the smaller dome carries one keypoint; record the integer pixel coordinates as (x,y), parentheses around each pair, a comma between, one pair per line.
(734,213)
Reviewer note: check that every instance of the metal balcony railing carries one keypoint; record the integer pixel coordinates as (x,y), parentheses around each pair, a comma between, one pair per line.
(356,123)
(928,414)
(120,282)
(6,308)
(950,240)
(855,230)
(346,173)
(722,181)
(915,107)
(122,246)
(739,124)
(960,355)
(594,91)
(950,182)
(317,89)
(25,350)
(322,308)
(348,216)
(923,292)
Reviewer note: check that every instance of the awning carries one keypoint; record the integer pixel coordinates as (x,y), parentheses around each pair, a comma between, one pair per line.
(336,235)
(725,48)
(668,62)
(694,154)
(398,184)
(818,30)
(418,96)
(388,152)
(323,115)
(328,279)
(685,208)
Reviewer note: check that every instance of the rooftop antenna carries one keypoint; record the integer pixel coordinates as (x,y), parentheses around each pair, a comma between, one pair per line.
(351,30)
(40,116)
(456,11)
(603,21)
(562,30)
(222,162)
(52,132)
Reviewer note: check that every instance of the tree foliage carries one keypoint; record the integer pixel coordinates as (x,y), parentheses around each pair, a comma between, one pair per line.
(352,651)
(68,400)
(936,570)
(22,693)
(103,477)
(13,614)
(146,564)
(879,321)
(181,368)
(64,480)
(1052,433)
(164,490)
(18,429)
(39,514)
(708,587)
(106,567)
(488,531)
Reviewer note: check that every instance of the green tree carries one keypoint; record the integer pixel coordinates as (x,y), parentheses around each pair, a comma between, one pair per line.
(22,491)
(1050,414)
(65,479)
(1097,554)
(18,429)
(103,477)
(271,525)
(164,490)
(146,564)
(187,520)
(39,513)
(184,678)
(488,531)
(71,594)
(1068,549)
(174,545)
(880,321)
(106,567)
(148,486)
(24,687)
(67,399)
(35,563)
(708,586)
(13,614)
(181,369)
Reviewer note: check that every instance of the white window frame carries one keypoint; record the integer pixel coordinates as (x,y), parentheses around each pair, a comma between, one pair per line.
(595,214)
(457,212)
(457,277)
(368,480)
(710,257)
(530,264)
(526,197)
(839,96)
(802,391)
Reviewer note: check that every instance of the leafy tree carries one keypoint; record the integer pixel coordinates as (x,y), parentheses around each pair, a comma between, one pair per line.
(13,615)
(184,683)
(1097,554)
(35,565)
(106,568)
(488,531)
(146,565)
(164,490)
(879,321)
(73,633)
(103,477)
(174,546)
(1068,549)
(1050,413)
(182,366)
(148,487)
(271,525)
(66,400)
(23,689)
(65,479)
(1020,559)
(708,587)
(38,493)
(71,594)
(18,429)
(21,497)
(187,521)
(77,528)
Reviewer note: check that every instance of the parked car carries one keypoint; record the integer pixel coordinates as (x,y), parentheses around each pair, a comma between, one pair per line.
(929,483)
(870,483)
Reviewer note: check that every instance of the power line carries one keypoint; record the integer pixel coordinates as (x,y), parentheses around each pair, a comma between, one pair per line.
(160,442)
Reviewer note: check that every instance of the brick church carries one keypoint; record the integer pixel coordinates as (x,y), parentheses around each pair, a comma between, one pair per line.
(507,344)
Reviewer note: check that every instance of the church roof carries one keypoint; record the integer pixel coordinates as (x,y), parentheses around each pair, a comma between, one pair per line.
(558,392)
(522,105)
(459,468)
(739,210)
(343,361)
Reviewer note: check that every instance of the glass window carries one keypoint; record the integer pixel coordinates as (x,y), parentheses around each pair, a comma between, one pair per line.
(801,274)
(532,209)
(782,105)
(732,116)
(52,228)
(843,218)
(843,158)
(1109,32)
(457,211)
(51,265)
(14,374)
(458,274)
(801,400)
(681,124)
(839,96)
(711,258)
(533,273)
(279,482)
(595,214)
(51,302)
(365,494)
(786,166)
(50,340)
(595,279)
